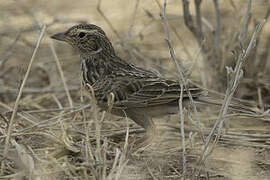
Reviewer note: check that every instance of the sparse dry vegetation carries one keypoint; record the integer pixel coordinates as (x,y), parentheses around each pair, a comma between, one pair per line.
(51,129)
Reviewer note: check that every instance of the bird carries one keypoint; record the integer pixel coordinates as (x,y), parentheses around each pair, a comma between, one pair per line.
(138,93)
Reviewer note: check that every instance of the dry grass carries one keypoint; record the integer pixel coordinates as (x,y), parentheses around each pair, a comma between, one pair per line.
(55,130)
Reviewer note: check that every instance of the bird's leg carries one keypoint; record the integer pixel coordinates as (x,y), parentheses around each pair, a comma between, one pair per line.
(148,124)
(147,139)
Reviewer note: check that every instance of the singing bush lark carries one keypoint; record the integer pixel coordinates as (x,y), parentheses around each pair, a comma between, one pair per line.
(139,94)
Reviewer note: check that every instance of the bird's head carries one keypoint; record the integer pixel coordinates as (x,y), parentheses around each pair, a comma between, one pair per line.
(89,39)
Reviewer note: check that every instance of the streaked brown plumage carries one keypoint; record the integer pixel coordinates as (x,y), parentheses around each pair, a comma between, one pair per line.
(139,94)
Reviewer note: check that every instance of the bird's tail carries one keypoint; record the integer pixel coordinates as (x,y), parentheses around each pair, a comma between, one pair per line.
(236,105)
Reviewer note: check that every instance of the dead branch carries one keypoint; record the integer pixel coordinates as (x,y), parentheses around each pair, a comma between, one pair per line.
(195,29)
(217,31)
(234,77)
(178,64)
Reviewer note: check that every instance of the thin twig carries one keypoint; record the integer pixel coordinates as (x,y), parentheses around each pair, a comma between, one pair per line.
(243,34)
(44,122)
(88,147)
(11,122)
(234,77)
(37,90)
(18,113)
(178,65)
(50,110)
(196,30)
(261,61)
(123,160)
(182,127)
(217,31)
(185,49)
(199,21)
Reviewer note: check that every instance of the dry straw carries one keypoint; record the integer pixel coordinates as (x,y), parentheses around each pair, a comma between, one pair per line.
(11,122)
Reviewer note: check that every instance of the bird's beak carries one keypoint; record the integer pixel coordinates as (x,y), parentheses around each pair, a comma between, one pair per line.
(60,36)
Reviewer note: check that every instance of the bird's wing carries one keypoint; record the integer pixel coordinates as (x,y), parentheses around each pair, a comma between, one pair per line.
(140,92)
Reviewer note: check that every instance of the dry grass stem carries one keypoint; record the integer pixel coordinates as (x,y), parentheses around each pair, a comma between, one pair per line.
(11,122)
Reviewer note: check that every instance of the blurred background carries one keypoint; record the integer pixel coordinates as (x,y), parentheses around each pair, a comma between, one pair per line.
(49,136)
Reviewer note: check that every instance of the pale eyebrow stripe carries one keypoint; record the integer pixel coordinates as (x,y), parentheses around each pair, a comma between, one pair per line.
(88,31)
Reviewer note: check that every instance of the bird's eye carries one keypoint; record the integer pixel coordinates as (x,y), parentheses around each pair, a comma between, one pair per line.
(81,34)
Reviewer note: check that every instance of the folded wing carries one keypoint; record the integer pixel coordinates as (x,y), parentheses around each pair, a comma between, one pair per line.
(141,92)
